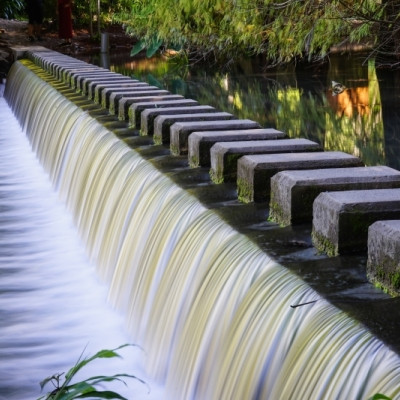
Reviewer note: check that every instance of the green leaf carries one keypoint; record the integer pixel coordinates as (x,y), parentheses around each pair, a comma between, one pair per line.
(100,354)
(138,47)
(379,396)
(55,377)
(154,46)
(107,394)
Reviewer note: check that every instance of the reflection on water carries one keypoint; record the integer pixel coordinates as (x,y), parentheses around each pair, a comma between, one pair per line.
(362,120)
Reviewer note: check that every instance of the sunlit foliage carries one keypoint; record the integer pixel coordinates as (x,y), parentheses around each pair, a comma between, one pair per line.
(280,30)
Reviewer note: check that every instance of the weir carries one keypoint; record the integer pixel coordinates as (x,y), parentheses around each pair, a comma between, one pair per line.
(216,315)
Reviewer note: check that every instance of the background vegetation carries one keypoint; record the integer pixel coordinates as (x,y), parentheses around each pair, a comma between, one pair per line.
(280,31)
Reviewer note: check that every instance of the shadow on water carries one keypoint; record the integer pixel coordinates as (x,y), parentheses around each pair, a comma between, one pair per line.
(361,121)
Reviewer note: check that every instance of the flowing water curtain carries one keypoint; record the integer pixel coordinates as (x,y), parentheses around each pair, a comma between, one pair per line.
(214,310)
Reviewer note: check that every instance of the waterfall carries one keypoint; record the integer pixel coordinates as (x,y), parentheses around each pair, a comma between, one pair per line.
(212,311)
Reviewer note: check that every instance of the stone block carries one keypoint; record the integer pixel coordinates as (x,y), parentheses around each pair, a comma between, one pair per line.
(180,131)
(163,123)
(149,114)
(293,192)
(125,103)
(225,155)
(95,90)
(383,265)
(341,219)
(82,82)
(110,98)
(135,110)
(200,143)
(255,171)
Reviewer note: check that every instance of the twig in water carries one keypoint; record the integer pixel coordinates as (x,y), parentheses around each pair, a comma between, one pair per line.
(303,304)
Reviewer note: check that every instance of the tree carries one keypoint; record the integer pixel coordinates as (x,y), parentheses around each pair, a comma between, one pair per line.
(280,30)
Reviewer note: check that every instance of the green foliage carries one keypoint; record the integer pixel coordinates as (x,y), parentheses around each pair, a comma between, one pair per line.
(11,8)
(86,388)
(379,396)
(280,30)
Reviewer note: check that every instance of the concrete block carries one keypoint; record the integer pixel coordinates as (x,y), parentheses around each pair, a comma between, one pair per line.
(82,82)
(148,115)
(135,110)
(96,89)
(224,155)
(341,219)
(200,143)
(383,265)
(125,103)
(111,97)
(180,131)
(293,192)
(163,123)
(255,171)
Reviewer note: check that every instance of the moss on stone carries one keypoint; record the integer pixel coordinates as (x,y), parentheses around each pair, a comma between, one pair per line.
(194,161)
(385,275)
(131,118)
(157,139)
(216,176)
(174,148)
(323,244)
(245,191)
(276,214)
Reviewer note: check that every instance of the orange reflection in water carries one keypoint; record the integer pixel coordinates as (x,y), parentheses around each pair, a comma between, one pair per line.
(351,101)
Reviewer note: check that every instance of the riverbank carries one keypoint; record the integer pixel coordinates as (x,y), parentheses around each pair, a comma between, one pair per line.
(14,33)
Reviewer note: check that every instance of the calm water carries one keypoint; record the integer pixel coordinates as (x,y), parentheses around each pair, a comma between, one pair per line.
(363,120)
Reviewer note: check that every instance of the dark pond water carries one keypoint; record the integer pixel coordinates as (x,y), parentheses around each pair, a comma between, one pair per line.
(362,120)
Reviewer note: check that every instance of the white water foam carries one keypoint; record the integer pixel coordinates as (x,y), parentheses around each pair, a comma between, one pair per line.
(52,306)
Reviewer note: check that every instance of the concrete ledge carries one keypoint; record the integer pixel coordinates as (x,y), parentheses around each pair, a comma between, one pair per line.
(82,82)
(76,81)
(95,90)
(255,172)
(180,131)
(293,192)
(163,123)
(383,265)
(341,219)
(66,75)
(148,115)
(224,155)
(71,75)
(110,98)
(200,143)
(125,103)
(135,110)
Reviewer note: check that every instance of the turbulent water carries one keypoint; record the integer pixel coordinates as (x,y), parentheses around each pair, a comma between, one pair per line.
(52,305)
(211,310)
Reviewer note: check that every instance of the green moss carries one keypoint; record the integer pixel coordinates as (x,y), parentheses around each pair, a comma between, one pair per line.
(395,280)
(131,118)
(216,176)
(385,276)
(276,214)
(194,161)
(245,191)
(324,245)
(174,148)
(157,139)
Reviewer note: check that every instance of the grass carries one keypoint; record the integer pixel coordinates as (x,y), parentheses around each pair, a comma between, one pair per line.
(64,389)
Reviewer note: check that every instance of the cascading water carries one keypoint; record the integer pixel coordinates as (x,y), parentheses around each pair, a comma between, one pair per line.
(211,310)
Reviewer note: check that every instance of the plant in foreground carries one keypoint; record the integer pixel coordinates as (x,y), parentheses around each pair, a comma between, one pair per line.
(85,388)
(379,396)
